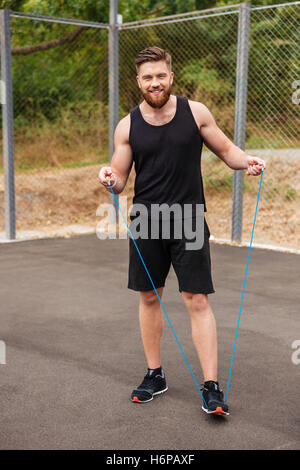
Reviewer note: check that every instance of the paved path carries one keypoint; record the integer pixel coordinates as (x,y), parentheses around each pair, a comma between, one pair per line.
(74,352)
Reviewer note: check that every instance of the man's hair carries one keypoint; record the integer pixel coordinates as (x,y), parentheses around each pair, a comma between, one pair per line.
(153,54)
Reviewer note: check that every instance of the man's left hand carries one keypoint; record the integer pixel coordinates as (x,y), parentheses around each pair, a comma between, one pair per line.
(255,166)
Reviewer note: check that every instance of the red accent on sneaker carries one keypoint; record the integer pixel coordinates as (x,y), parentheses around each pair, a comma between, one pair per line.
(218,411)
(136,400)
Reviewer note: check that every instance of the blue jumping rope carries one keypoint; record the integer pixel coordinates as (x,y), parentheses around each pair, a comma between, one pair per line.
(164,310)
(243,291)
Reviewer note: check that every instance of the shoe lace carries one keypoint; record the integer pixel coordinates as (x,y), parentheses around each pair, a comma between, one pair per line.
(213,394)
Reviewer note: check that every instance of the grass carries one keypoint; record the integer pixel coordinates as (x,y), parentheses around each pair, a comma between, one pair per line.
(78,138)
(24,167)
(218,182)
(216,175)
(290,194)
(272,139)
(285,192)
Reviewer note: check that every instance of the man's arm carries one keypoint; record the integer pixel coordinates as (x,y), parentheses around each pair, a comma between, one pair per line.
(117,173)
(220,145)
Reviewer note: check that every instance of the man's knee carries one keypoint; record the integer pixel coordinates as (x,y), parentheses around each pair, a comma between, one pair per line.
(149,297)
(198,303)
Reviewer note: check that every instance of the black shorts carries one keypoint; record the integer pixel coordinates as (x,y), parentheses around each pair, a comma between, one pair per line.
(192,267)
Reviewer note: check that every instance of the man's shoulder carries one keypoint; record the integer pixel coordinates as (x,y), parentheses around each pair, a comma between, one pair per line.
(197,105)
(125,121)
(199,111)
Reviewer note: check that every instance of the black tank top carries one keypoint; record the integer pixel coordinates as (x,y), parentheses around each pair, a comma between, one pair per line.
(167,159)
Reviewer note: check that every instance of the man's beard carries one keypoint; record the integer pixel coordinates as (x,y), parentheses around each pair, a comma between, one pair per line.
(157,102)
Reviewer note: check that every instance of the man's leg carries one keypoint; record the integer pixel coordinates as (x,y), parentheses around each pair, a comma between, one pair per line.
(151,323)
(204,332)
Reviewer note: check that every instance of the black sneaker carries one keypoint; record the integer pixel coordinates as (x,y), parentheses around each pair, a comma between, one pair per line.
(153,384)
(214,399)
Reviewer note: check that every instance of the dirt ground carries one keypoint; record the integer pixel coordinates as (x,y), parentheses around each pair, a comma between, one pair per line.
(47,200)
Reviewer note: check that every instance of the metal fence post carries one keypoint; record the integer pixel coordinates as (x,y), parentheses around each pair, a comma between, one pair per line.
(113,53)
(240,116)
(7,126)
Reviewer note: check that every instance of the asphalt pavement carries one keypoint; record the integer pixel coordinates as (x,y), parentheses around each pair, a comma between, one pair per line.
(74,352)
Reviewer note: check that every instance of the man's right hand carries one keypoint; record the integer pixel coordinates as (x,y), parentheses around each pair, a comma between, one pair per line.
(106,176)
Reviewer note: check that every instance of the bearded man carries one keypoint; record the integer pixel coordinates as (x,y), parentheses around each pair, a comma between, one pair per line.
(163,137)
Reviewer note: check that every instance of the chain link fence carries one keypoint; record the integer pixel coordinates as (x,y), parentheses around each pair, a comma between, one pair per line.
(273,122)
(60,104)
(61,118)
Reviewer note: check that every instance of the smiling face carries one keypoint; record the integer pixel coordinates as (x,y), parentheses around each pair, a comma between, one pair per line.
(155,82)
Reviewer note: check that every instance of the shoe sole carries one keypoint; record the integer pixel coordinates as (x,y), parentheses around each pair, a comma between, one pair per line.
(218,411)
(136,400)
